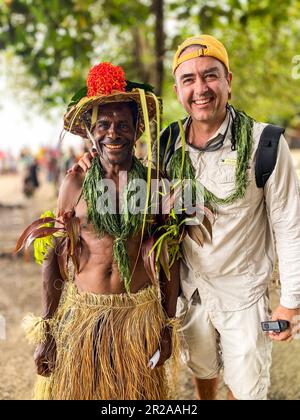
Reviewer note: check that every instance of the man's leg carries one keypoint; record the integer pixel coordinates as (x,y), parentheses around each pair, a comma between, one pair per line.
(230,395)
(206,389)
(200,343)
(246,351)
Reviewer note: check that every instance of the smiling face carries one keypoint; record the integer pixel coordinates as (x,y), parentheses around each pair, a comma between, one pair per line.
(203,87)
(114,133)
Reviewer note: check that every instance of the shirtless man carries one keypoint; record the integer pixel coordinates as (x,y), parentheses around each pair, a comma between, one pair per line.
(100,333)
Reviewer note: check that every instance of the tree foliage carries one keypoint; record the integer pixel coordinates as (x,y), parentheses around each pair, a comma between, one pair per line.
(56,41)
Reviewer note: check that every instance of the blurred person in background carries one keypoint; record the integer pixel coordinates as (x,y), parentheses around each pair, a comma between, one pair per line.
(30,169)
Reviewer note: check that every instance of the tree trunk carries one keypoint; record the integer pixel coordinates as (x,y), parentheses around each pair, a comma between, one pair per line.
(139,51)
(158,10)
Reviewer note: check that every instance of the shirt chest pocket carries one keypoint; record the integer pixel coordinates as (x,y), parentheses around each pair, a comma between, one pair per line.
(223,184)
(228,185)
(226,175)
(225,179)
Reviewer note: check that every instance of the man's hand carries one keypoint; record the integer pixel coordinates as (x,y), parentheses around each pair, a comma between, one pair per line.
(288,315)
(45,356)
(165,346)
(84,162)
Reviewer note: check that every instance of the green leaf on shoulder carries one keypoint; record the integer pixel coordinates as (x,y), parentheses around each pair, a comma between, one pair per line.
(76,98)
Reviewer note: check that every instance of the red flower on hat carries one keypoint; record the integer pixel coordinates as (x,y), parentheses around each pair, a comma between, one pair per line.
(104,78)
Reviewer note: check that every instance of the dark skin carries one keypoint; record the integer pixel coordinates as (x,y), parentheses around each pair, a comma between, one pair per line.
(114,135)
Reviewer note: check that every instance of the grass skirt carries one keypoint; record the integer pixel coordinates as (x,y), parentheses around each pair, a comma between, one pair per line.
(104,343)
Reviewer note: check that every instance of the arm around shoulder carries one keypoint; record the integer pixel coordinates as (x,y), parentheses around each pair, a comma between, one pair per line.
(69,192)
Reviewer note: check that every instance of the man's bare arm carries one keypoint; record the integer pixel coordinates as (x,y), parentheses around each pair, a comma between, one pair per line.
(53,282)
(169,293)
(52,285)
(52,278)
(170,289)
(45,353)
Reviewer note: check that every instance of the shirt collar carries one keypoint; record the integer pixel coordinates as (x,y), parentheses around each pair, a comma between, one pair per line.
(215,141)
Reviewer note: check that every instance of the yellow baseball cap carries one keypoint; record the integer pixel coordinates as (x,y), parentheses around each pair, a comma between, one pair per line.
(208,46)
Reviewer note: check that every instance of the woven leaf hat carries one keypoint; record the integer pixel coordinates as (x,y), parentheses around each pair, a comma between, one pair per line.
(106,83)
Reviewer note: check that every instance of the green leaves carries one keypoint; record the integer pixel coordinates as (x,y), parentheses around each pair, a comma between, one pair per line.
(43,232)
(78,95)
(262,37)
(135,85)
(120,226)
(31,232)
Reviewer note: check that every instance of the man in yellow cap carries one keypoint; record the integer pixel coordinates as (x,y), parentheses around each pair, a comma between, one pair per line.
(224,285)
(248,179)
(206,106)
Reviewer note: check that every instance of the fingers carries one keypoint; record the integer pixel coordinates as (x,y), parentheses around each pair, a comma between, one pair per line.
(43,370)
(81,165)
(165,351)
(296,330)
(163,358)
(290,334)
(42,366)
(74,168)
(160,362)
(86,161)
(283,336)
(44,359)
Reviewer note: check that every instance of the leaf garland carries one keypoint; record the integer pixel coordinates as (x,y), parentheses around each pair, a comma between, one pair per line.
(243,136)
(174,227)
(121,225)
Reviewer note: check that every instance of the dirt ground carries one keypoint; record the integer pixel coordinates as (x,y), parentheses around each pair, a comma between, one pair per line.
(20,284)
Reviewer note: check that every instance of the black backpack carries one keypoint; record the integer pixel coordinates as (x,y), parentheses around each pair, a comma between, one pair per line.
(266,152)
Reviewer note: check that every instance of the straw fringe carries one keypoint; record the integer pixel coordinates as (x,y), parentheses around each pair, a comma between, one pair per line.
(36,328)
(104,343)
(42,388)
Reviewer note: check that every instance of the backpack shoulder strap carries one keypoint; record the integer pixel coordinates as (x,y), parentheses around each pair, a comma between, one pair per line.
(167,142)
(266,155)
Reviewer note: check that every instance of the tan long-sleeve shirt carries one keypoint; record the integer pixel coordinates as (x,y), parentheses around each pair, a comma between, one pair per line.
(233,271)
